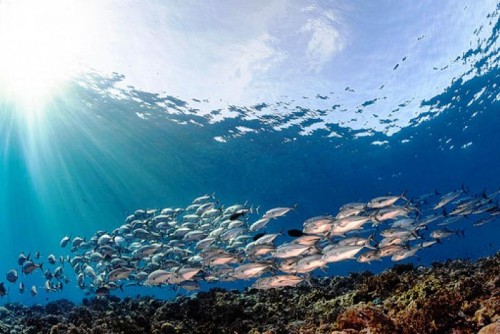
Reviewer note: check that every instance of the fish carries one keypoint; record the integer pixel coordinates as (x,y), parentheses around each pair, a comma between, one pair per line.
(189,285)
(310,263)
(51,259)
(447,198)
(22,258)
(64,241)
(344,225)
(385,201)
(295,233)
(29,266)
(3,291)
(404,254)
(258,236)
(12,275)
(207,241)
(249,270)
(336,254)
(203,198)
(119,274)
(102,291)
(34,291)
(445,233)
(278,281)
(278,212)
(158,277)
(259,224)
(290,250)
(369,256)
(21,287)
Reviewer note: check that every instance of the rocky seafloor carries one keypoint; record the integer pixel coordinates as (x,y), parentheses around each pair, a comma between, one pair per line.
(453,297)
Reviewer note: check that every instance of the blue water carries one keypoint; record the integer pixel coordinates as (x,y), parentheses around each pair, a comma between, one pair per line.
(91,161)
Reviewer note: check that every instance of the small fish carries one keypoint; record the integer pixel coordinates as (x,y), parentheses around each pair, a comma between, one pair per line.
(278,212)
(249,270)
(278,281)
(295,233)
(30,266)
(203,198)
(336,254)
(119,273)
(445,233)
(310,263)
(447,198)
(34,291)
(12,275)
(484,221)
(385,201)
(290,250)
(102,291)
(22,258)
(3,291)
(258,236)
(51,259)
(48,287)
(21,287)
(369,256)
(259,224)
(405,253)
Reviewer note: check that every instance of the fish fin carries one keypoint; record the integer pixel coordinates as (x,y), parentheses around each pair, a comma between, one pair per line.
(371,238)
(445,214)
(403,196)
(415,234)
(41,266)
(307,279)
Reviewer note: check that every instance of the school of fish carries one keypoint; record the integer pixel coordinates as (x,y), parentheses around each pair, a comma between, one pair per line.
(181,247)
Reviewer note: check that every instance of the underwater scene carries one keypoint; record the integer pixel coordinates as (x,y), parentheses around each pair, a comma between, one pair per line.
(249,167)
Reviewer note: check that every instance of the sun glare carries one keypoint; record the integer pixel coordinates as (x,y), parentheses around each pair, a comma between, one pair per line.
(42,41)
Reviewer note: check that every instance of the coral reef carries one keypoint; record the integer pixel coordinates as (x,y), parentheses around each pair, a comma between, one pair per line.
(452,297)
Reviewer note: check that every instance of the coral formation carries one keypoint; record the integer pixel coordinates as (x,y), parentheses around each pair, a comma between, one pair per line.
(452,297)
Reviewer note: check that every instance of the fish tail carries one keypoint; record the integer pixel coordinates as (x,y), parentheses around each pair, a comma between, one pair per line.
(307,279)
(403,196)
(445,214)
(371,238)
(485,195)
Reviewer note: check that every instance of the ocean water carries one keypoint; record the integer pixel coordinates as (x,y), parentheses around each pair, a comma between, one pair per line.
(103,150)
